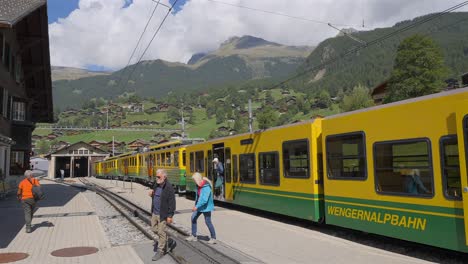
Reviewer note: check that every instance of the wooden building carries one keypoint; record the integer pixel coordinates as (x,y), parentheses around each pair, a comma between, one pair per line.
(25,82)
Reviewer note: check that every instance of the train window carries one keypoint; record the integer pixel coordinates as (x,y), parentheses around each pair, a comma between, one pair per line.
(296,159)
(268,165)
(163,159)
(247,168)
(192,162)
(168,159)
(450,167)
(176,158)
(235,173)
(199,159)
(346,157)
(184,162)
(227,169)
(404,167)
(158,159)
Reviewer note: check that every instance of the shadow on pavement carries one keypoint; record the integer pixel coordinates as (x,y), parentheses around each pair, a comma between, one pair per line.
(12,216)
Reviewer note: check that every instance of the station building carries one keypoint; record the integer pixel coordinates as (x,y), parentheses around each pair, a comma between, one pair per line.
(75,160)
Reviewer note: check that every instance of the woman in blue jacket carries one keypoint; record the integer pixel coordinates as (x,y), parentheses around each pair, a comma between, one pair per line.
(203,205)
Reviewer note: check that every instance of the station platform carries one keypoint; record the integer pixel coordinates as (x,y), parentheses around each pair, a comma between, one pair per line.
(64,219)
(268,241)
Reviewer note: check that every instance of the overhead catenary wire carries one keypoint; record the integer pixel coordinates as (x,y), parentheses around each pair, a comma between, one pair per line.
(149,44)
(124,69)
(370,43)
(282,14)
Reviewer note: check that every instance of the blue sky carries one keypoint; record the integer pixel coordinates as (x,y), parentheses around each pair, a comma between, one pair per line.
(62,8)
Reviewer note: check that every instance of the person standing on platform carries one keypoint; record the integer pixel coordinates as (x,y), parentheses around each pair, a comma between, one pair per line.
(203,205)
(162,207)
(25,195)
(219,181)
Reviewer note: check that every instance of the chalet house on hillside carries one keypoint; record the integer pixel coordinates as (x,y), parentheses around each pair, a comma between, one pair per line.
(378,93)
(116,144)
(223,129)
(137,144)
(285,92)
(52,136)
(153,109)
(175,134)
(36,138)
(98,143)
(188,109)
(164,107)
(25,81)
(136,107)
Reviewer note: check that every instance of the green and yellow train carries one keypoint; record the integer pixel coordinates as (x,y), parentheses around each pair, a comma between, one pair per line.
(398,170)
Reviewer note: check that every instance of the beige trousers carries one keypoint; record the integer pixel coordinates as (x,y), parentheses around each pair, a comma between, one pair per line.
(159,228)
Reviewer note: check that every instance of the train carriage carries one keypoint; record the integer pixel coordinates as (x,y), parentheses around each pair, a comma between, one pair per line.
(276,170)
(397,169)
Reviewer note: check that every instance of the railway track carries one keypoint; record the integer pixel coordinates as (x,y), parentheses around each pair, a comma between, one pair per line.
(179,249)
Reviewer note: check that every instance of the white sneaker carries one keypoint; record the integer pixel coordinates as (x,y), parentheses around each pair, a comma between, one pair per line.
(212,241)
(191,238)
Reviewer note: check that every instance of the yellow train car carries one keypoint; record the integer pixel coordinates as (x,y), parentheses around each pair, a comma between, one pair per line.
(169,156)
(398,169)
(277,170)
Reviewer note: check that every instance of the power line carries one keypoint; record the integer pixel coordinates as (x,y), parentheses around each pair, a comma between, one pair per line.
(136,46)
(282,14)
(371,43)
(149,44)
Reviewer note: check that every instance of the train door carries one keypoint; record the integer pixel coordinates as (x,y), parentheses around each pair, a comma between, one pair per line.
(218,171)
(462,131)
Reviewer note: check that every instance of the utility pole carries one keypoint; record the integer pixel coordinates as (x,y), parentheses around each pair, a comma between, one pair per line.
(113,146)
(107,117)
(183,121)
(250,116)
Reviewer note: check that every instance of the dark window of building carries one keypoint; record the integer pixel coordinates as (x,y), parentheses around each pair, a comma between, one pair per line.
(247,168)
(227,169)
(1,101)
(199,159)
(296,159)
(403,167)
(19,111)
(268,163)
(1,47)
(6,56)
(235,172)
(450,167)
(13,67)
(346,157)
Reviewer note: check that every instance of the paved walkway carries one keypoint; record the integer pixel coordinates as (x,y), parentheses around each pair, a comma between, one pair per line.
(65,219)
(267,240)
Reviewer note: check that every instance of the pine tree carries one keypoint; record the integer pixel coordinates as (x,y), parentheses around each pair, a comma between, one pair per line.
(419,69)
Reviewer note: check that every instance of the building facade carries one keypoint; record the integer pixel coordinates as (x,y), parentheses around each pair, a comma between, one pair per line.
(25,80)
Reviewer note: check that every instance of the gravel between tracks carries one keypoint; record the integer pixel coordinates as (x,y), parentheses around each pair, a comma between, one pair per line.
(118,229)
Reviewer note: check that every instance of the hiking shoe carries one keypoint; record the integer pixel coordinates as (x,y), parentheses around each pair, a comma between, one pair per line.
(158,255)
(212,241)
(191,238)
(28,229)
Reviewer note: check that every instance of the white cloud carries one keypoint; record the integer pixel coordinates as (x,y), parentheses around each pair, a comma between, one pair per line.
(102,32)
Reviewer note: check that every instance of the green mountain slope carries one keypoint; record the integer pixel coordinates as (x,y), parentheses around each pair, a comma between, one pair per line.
(238,59)
(373,65)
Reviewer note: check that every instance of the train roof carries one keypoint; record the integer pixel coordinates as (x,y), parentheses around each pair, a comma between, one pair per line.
(403,102)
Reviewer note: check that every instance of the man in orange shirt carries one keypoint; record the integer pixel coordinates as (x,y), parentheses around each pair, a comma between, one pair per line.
(25,194)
